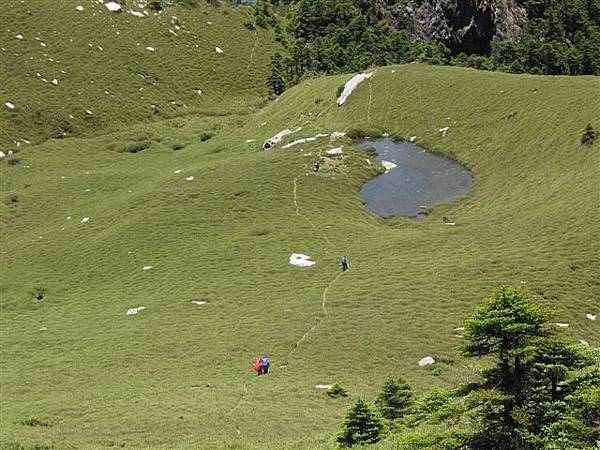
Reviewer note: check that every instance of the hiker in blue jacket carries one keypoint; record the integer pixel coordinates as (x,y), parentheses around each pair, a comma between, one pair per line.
(345,263)
(265,364)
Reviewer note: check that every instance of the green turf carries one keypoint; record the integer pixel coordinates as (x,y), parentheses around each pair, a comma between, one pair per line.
(178,375)
(102,65)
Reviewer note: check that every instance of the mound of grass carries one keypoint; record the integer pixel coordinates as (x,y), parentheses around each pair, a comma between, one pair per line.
(529,221)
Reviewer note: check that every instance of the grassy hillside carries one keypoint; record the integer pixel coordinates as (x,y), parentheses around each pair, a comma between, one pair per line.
(178,375)
(102,64)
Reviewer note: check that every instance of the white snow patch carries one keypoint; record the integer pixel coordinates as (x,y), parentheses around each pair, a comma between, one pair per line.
(146,267)
(88,112)
(351,85)
(190,178)
(444,131)
(9,105)
(44,328)
(278,137)
(324,386)
(55,82)
(136,13)
(2,155)
(19,36)
(388,165)
(334,151)
(562,325)
(178,171)
(591,316)
(113,7)
(338,134)
(413,139)
(199,302)
(79,8)
(249,140)
(426,361)
(300,260)
(133,311)
(219,50)
(584,343)
(85,220)
(151,49)
(459,329)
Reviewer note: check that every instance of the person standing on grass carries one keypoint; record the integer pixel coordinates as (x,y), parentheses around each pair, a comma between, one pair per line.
(317,165)
(345,263)
(265,364)
(257,366)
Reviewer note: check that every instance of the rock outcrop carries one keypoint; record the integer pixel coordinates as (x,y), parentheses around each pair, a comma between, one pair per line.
(468,26)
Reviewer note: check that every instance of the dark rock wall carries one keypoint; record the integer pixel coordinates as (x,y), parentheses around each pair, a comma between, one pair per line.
(468,26)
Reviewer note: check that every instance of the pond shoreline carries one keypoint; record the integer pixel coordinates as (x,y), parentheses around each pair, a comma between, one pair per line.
(415,180)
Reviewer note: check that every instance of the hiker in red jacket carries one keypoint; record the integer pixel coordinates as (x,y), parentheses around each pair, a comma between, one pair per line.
(257,366)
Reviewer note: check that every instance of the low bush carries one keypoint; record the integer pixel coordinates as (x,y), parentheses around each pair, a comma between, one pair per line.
(206,136)
(337,391)
(589,135)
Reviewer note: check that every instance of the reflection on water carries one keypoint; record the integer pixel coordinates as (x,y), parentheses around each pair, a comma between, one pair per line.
(419,181)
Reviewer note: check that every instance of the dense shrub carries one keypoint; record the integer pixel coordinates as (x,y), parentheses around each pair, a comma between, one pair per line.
(337,391)
(589,135)
(206,136)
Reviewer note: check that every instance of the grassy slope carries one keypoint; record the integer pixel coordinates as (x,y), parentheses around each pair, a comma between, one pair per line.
(178,375)
(107,82)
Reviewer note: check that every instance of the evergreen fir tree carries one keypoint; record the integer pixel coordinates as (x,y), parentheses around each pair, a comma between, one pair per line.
(394,399)
(276,80)
(362,426)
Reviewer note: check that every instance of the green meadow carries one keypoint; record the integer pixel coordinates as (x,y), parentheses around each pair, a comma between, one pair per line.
(122,68)
(78,372)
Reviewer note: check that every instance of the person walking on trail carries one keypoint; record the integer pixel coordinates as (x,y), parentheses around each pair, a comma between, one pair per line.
(345,263)
(257,366)
(317,165)
(265,364)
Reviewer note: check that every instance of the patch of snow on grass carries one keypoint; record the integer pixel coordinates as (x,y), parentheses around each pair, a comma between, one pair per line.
(133,311)
(591,316)
(300,260)
(351,85)
(199,302)
(9,105)
(146,267)
(278,137)
(334,151)
(85,220)
(79,8)
(190,178)
(151,49)
(324,386)
(219,50)
(562,325)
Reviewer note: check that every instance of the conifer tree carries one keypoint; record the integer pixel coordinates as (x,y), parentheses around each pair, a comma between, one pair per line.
(276,80)
(394,399)
(362,426)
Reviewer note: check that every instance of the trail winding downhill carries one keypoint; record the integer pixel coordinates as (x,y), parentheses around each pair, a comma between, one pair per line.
(324,317)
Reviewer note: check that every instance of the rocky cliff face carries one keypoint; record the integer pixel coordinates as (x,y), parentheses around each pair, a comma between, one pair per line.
(468,26)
